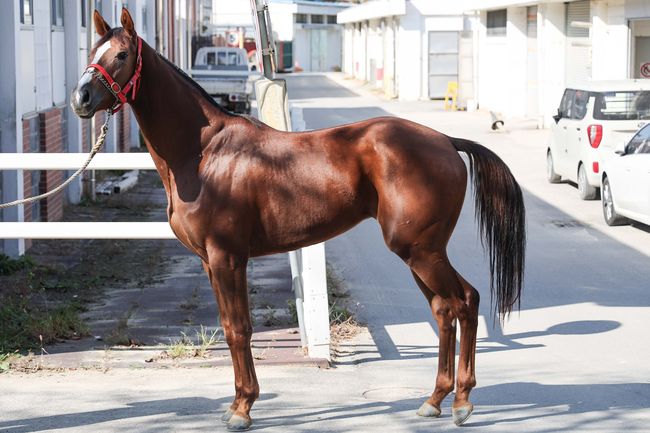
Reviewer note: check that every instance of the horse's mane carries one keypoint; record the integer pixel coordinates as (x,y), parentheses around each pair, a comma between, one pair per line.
(205,94)
(196,85)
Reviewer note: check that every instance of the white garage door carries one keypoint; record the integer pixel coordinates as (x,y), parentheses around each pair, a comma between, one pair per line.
(578,53)
(443,62)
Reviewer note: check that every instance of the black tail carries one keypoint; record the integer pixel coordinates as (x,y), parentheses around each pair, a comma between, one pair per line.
(499,207)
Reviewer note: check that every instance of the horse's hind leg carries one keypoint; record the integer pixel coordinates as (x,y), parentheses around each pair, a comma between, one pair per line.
(458,299)
(446,351)
(467,313)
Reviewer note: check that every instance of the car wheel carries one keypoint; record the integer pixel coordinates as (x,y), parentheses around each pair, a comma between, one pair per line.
(609,212)
(551,175)
(586,191)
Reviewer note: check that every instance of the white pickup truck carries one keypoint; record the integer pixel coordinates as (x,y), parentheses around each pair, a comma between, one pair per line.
(225,74)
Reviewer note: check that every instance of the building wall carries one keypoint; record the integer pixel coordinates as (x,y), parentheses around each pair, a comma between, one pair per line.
(45,64)
(409,57)
(282,19)
(11,138)
(551,49)
(609,33)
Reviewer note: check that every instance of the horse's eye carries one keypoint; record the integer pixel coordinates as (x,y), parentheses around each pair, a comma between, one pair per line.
(122,55)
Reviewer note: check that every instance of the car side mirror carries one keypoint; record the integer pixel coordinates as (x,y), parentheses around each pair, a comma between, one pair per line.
(558,116)
(620,149)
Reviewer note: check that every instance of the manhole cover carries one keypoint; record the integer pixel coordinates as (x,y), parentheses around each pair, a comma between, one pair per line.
(567,224)
(395,393)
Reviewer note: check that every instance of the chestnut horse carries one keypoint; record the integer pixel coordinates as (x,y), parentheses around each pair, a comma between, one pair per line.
(237,188)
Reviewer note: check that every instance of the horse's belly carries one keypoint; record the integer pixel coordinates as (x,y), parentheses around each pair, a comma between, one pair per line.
(297,228)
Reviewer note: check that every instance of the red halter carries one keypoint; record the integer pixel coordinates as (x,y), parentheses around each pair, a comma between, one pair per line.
(114,87)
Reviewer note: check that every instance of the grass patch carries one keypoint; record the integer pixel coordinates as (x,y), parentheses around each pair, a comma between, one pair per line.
(185,347)
(6,360)
(25,326)
(9,266)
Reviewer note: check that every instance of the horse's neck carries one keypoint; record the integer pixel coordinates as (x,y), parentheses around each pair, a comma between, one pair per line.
(171,113)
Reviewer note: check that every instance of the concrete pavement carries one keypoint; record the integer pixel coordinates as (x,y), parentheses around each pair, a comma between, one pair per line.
(574,359)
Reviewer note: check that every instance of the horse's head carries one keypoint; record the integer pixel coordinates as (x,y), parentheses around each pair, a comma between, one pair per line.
(117,53)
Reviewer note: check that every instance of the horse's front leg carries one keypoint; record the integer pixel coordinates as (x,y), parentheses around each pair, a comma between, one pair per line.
(227,274)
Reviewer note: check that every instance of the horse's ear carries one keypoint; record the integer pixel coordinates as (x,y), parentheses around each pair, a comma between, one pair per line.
(127,22)
(101,26)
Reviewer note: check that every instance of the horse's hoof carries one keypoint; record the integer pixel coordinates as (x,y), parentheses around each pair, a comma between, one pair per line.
(239,423)
(428,410)
(461,414)
(227,415)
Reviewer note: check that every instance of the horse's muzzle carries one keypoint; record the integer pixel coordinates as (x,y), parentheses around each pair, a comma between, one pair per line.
(82,102)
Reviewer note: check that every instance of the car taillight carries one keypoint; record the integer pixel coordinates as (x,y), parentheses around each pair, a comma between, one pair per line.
(595,134)
(595,166)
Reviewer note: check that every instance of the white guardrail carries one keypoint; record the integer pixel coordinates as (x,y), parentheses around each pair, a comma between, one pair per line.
(81,230)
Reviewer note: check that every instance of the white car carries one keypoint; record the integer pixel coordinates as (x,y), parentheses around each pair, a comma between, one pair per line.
(626,181)
(592,118)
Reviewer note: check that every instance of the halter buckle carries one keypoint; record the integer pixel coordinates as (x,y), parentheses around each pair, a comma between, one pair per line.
(115,87)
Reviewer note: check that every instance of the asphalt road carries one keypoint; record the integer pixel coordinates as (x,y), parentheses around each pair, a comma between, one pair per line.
(575,359)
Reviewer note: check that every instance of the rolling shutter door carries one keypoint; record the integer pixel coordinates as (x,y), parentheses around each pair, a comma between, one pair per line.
(578,52)
(443,62)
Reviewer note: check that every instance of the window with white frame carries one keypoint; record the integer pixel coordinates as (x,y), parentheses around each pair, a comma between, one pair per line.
(26,12)
(84,11)
(317,19)
(301,18)
(57,13)
(496,22)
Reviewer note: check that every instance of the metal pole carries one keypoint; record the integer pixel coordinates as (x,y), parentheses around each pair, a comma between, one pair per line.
(264,37)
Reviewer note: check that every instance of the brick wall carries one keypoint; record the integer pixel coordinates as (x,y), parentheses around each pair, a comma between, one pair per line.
(51,142)
(27,178)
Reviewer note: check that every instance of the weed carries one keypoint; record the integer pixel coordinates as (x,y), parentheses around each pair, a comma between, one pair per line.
(119,335)
(24,326)
(10,266)
(343,325)
(181,349)
(186,348)
(205,340)
(336,294)
(269,317)
(293,311)
(6,360)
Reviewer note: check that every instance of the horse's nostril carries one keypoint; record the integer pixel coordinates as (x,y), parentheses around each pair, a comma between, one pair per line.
(85,97)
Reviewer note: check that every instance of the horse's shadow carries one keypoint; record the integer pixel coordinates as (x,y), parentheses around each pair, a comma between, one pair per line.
(518,402)
(386,350)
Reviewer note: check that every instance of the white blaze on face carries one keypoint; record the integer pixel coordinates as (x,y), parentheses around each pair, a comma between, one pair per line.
(101,50)
(85,78)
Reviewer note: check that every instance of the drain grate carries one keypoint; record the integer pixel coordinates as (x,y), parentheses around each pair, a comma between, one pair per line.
(567,224)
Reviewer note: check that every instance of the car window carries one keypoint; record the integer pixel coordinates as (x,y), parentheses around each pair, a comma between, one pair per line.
(632,105)
(580,101)
(566,105)
(640,143)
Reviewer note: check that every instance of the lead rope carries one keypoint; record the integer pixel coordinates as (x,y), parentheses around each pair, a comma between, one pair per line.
(96,147)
